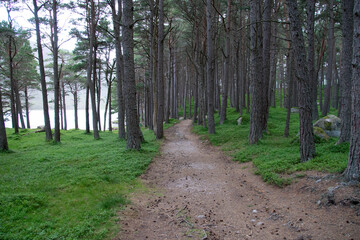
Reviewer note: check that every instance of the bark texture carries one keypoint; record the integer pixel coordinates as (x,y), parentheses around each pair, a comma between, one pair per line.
(255,131)
(346,69)
(133,133)
(48,132)
(210,65)
(329,72)
(55,51)
(307,145)
(266,28)
(227,76)
(352,171)
(160,74)
(116,17)
(3,139)
(311,55)
(90,69)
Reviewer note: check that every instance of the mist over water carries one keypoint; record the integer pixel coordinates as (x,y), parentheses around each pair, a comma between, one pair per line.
(37,119)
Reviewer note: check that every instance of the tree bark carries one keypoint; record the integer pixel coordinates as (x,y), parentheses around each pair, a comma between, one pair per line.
(168,87)
(160,73)
(87,106)
(210,67)
(48,132)
(352,171)
(307,145)
(256,127)
(346,69)
(14,115)
(27,106)
(55,52)
(116,17)
(97,83)
(90,70)
(19,111)
(329,73)
(290,80)
(311,56)
(76,109)
(3,139)
(266,62)
(227,76)
(133,133)
(64,105)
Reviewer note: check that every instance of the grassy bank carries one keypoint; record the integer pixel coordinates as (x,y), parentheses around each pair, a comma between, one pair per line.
(70,190)
(277,158)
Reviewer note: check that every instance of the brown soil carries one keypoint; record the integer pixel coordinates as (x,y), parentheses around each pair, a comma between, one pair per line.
(199,193)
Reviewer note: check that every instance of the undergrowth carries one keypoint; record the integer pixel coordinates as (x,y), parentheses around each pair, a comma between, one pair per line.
(70,190)
(276,158)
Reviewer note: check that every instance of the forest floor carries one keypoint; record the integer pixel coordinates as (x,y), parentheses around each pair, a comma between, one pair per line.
(194,191)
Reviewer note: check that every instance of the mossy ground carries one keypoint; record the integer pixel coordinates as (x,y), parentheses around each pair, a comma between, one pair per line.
(70,190)
(275,156)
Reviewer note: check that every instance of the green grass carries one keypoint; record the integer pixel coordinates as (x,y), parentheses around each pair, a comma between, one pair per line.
(70,190)
(275,156)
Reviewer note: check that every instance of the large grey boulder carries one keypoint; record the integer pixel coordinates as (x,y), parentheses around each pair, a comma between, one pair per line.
(40,129)
(294,110)
(330,124)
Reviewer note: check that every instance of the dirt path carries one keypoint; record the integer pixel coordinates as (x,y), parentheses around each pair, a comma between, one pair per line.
(199,193)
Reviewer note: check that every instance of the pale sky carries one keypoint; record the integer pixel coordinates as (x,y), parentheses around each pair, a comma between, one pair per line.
(21,20)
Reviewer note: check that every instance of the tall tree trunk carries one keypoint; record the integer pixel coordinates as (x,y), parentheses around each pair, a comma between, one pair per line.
(64,105)
(27,106)
(116,16)
(185,91)
(87,106)
(48,132)
(76,110)
(90,70)
(321,86)
(352,171)
(189,95)
(97,82)
(133,133)
(55,52)
(210,67)
(290,80)
(227,76)
(329,72)
(256,127)
(3,139)
(266,62)
(19,111)
(274,59)
(237,78)
(311,56)
(110,120)
(160,73)
(153,62)
(346,69)
(307,145)
(61,112)
(168,88)
(14,115)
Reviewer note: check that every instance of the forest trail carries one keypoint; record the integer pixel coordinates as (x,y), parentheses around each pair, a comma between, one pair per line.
(197,192)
